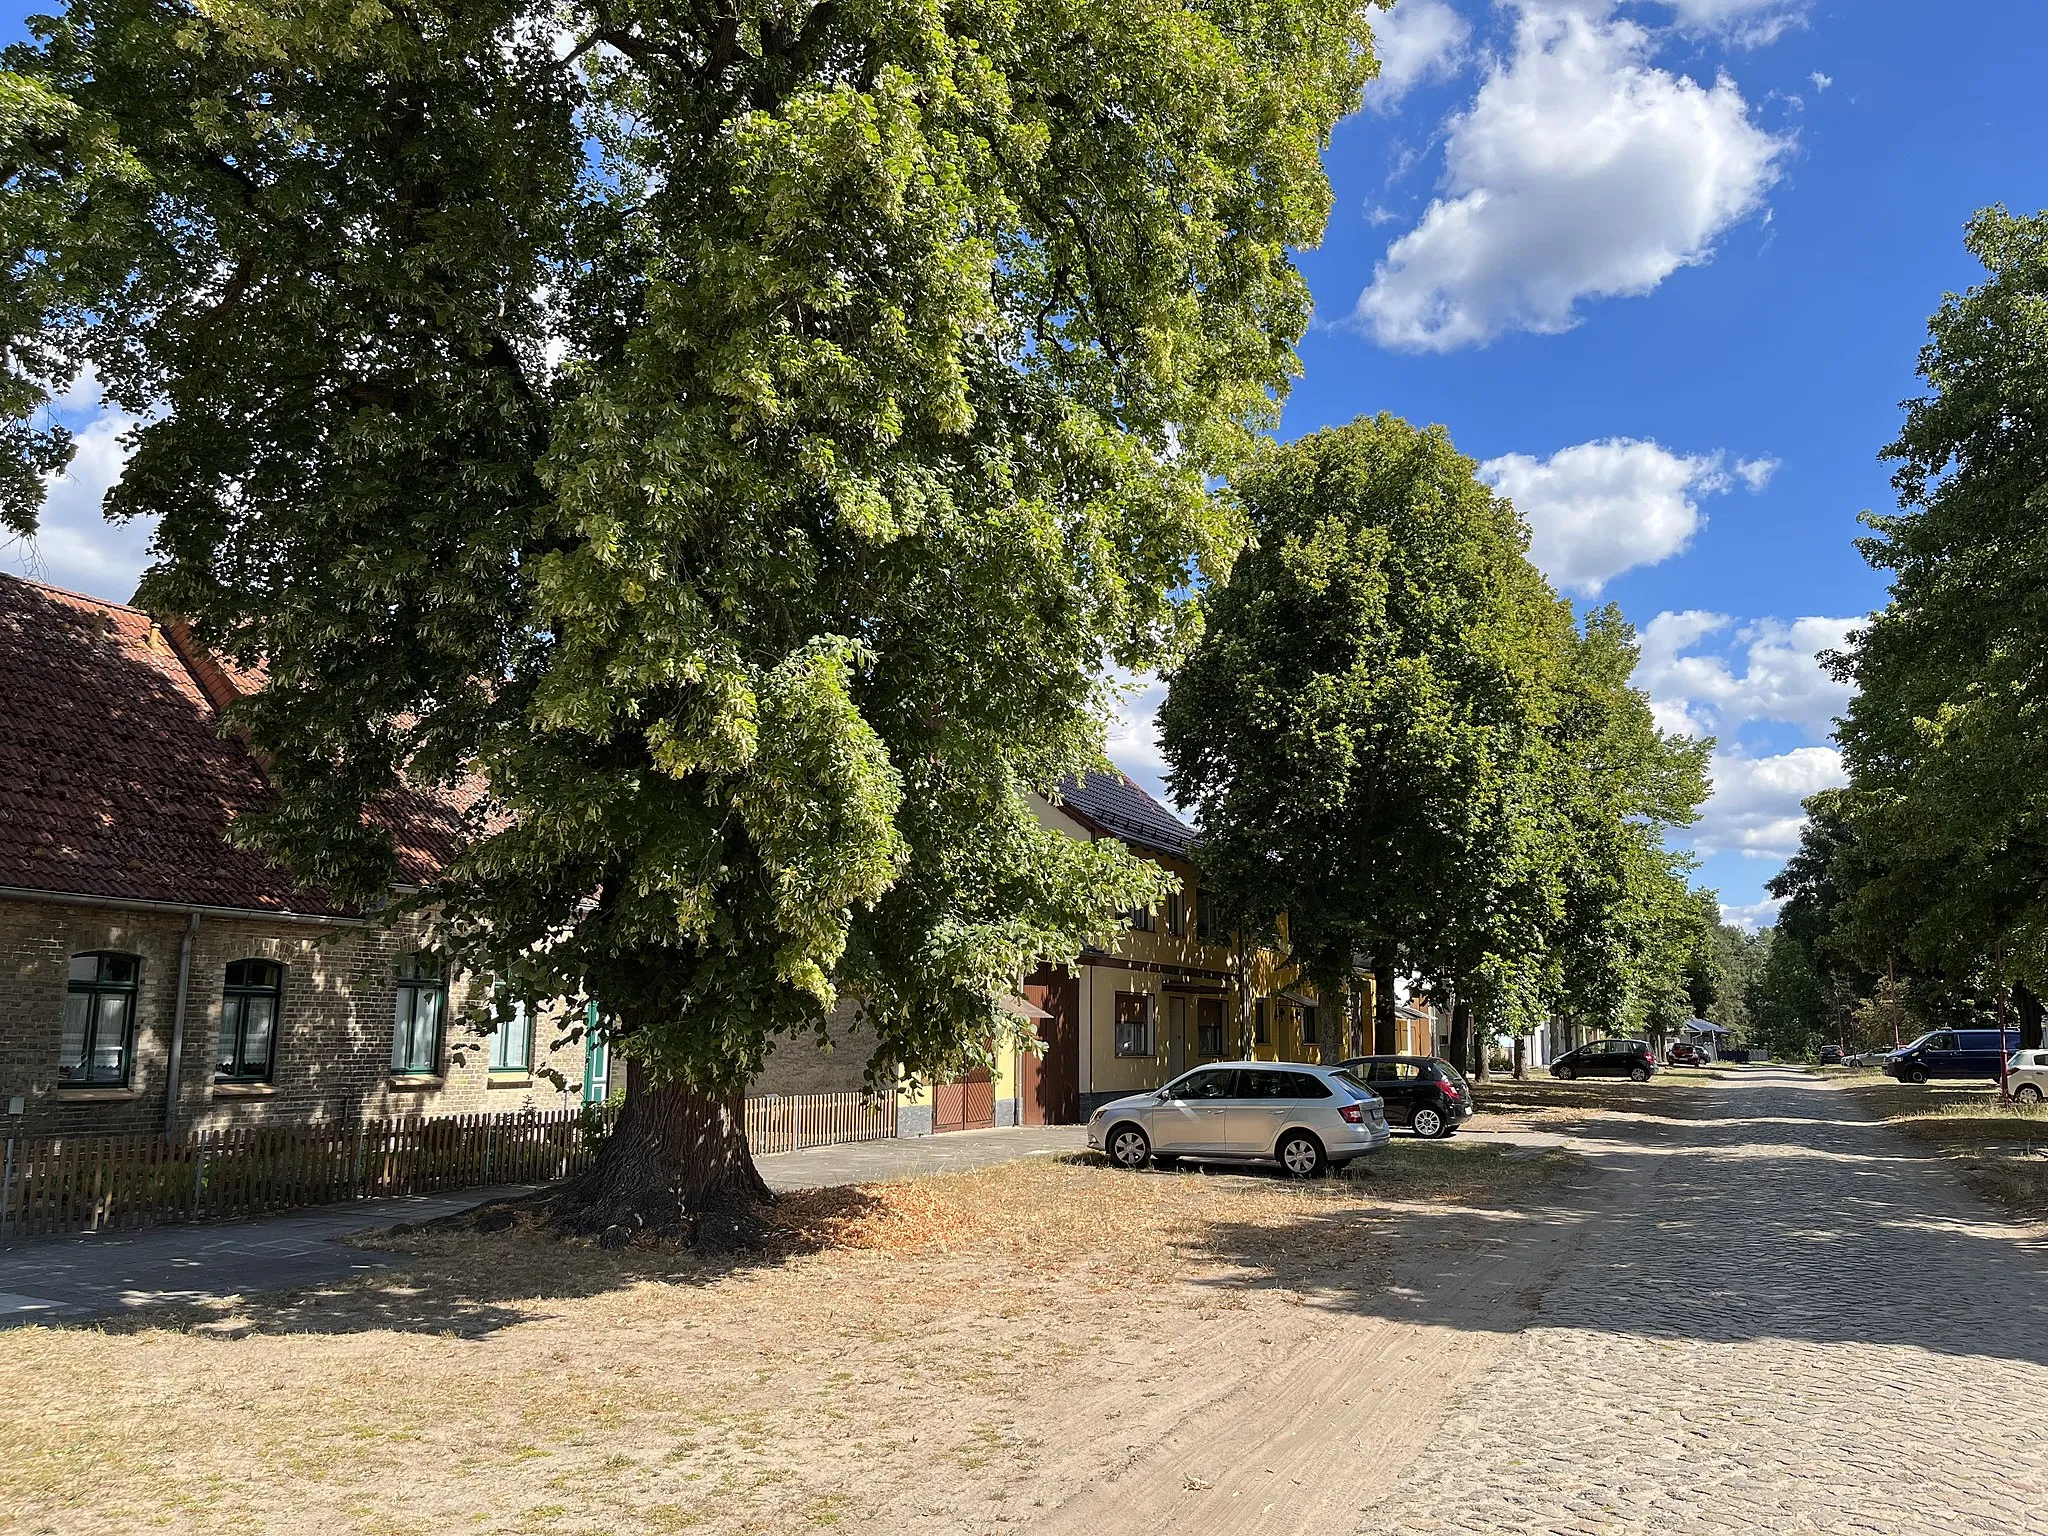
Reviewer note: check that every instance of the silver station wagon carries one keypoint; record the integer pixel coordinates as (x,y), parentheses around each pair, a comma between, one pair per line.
(1304,1118)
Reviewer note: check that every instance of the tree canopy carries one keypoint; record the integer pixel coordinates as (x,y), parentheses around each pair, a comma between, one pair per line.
(1944,742)
(1393,731)
(740,435)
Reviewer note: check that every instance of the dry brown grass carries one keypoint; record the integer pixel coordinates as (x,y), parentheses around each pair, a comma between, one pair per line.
(894,1345)
(1999,1149)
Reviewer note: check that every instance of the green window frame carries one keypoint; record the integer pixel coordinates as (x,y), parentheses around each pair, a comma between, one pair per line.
(512,1042)
(251,1002)
(416,1024)
(96,1048)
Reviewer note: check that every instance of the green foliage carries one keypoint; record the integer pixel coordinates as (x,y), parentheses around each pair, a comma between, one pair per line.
(1393,732)
(1791,1005)
(741,436)
(1944,742)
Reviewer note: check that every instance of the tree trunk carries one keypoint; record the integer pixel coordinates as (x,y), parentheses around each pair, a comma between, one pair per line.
(1521,1058)
(1461,1036)
(1482,1058)
(2028,1006)
(1386,1022)
(676,1165)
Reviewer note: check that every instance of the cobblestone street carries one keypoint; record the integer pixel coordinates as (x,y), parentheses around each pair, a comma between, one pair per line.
(1781,1318)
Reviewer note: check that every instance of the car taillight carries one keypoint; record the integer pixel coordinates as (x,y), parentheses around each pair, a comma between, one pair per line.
(1354,1114)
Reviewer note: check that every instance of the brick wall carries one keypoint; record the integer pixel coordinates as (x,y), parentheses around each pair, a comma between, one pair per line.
(799,1064)
(332,1056)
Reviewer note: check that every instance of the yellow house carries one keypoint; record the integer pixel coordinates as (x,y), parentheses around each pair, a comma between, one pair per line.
(1164,998)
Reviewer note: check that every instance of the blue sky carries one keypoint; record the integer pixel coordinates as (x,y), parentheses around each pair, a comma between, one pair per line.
(1663,267)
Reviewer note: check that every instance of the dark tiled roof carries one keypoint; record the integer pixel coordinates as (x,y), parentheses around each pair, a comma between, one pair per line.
(114,777)
(1112,803)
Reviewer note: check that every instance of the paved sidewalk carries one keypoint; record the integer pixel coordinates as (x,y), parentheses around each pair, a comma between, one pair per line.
(102,1273)
(868,1162)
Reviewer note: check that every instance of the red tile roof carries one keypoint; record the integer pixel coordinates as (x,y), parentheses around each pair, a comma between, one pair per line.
(115,779)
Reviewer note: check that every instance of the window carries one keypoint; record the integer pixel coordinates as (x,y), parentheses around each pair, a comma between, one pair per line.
(1176,914)
(1209,1026)
(1133,1024)
(99,1021)
(1143,920)
(1308,1025)
(249,1005)
(416,1036)
(1207,1085)
(1203,928)
(1261,1033)
(1265,1085)
(1303,1086)
(1941,1042)
(512,1042)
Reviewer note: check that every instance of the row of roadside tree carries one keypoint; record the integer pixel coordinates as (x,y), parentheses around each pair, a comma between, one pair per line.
(1919,895)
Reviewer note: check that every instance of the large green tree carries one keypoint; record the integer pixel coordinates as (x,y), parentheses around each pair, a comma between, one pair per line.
(1393,731)
(737,434)
(1945,741)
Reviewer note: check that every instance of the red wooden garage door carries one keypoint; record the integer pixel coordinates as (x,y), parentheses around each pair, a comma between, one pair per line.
(1050,1081)
(968,1105)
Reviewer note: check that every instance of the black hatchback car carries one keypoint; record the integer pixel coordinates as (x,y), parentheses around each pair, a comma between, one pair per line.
(1608,1058)
(1424,1093)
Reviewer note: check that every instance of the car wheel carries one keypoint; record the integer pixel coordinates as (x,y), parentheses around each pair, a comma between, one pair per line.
(1301,1155)
(1427,1124)
(1914,1074)
(1564,1074)
(2027,1093)
(1639,1074)
(1129,1147)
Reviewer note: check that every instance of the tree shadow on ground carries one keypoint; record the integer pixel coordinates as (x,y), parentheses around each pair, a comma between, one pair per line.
(451,1280)
(1768,1225)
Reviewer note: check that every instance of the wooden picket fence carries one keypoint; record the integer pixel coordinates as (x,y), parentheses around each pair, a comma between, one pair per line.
(789,1124)
(115,1183)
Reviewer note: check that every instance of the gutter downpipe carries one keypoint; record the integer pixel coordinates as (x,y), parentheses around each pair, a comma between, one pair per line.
(173,1078)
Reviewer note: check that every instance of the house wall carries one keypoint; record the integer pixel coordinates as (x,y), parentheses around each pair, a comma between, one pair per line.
(331,1060)
(800,1064)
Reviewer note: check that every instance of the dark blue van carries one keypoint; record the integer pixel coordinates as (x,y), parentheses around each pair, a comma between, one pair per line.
(1952,1053)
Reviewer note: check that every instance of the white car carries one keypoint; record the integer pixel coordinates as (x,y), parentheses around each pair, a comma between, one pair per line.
(2026,1074)
(1305,1118)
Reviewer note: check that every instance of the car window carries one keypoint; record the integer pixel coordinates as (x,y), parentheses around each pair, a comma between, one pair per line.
(1262,1085)
(1303,1086)
(1380,1072)
(1353,1081)
(1205,1085)
(1941,1042)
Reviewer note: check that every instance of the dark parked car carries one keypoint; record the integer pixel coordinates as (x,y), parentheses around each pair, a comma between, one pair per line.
(1424,1093)
(1952,1053)
(1608,1058)
(1686,1054)
(1831,1055)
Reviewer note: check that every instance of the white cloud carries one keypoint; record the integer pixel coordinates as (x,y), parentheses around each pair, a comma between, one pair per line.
(75,547)
(1601,508)
(1755,807)
(1579,171)
(1417,40)
(1752,915)
(1781,678)
(1134,734)
(1820,81)
(1755,473)
(1751,23)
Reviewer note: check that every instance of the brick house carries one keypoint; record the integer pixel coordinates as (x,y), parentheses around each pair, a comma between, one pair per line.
(152,976)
